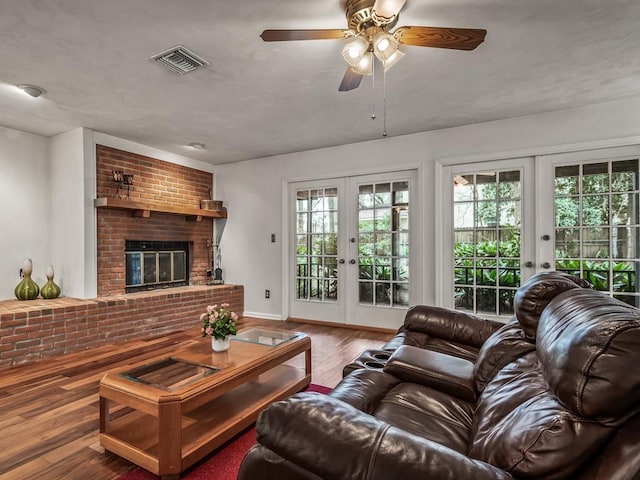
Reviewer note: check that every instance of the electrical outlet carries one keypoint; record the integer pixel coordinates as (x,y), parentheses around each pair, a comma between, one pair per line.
(267,294)
(273,238)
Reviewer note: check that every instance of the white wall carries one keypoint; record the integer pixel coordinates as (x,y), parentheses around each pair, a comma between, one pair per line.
(67,201)
(24,207)
(253,190)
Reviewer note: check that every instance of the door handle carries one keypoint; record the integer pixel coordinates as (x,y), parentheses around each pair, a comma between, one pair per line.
(528,264)
(341,260)
(352,261)
(546,265)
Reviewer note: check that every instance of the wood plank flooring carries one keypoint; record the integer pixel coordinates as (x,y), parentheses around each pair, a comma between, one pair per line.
(49,410)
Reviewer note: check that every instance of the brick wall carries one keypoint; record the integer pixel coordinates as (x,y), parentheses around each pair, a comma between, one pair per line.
(40,329)
(158,182)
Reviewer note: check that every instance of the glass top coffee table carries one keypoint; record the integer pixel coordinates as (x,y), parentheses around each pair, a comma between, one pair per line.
(168,412)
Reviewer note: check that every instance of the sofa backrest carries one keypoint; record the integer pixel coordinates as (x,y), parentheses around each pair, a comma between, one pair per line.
(502,348)
(549,412)
(535,294)
(518,336)
(589,351)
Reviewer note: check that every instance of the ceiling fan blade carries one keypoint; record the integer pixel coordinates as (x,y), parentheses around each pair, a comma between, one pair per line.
(350,80)
(286,35)
(441,37)
(388,8)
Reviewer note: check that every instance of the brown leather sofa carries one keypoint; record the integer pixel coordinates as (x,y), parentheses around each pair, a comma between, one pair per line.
(553,394)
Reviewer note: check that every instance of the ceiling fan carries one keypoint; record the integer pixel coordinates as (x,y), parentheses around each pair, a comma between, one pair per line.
(369,25)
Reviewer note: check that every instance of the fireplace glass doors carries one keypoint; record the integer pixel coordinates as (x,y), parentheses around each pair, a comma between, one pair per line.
(152,264)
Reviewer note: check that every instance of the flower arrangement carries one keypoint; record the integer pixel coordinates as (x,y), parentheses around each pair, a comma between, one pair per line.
(219,322)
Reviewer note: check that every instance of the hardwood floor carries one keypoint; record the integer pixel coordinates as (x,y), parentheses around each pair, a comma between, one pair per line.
(49,419)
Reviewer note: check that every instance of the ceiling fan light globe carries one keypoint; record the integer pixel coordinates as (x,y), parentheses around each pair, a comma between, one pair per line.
(353,51)
(384,45)
(392,60)
(365,65)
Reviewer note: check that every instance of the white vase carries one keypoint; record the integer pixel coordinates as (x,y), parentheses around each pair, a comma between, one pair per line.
(219,345)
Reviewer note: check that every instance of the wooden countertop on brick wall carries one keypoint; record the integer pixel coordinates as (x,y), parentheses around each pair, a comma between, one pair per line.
(16,306)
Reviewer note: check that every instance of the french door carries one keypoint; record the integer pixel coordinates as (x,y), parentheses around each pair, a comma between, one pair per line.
(488,234)
(596,223)
(578,213)
(352,252)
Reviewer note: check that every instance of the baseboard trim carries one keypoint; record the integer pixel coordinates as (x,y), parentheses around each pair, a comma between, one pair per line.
(265,316)
(350,326)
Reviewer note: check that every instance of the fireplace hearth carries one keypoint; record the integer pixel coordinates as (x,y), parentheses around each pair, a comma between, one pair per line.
(155,264)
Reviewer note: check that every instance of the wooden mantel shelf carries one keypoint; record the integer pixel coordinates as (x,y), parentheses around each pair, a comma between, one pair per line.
(144,209)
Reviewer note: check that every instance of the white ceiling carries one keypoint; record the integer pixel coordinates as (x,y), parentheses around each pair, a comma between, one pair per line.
(259,99)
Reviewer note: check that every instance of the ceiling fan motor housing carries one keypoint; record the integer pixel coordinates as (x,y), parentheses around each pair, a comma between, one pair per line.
(360,16)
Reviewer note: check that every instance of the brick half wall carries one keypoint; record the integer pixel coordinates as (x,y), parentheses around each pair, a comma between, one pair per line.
(40,329)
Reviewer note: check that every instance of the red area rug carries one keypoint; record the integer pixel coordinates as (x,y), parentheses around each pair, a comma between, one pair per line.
(224,463)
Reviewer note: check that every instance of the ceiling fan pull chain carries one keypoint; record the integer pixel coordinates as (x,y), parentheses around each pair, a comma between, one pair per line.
(373,90)
(384,103)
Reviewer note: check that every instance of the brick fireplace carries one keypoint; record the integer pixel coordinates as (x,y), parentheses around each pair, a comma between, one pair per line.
(157,182)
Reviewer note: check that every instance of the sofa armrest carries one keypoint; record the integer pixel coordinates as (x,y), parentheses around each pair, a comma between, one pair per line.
(335,440)
(443,372)
(450,324)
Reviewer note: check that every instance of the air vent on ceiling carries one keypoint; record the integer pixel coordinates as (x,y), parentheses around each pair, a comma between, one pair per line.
(179,59)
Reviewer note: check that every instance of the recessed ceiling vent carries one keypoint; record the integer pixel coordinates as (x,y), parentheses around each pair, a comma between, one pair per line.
(179,59)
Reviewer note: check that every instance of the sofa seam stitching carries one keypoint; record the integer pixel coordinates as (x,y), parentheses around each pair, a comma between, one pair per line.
(374,455)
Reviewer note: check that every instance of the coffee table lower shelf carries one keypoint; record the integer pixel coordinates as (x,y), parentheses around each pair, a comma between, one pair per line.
(134,435)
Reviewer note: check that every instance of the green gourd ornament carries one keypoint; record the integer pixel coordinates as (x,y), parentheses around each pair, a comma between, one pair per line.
(27,289)
(50,289)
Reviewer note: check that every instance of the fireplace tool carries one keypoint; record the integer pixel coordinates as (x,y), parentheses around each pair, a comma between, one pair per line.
(217,272)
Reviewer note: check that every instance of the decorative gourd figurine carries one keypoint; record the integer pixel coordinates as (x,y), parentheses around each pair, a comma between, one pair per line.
(27,289)
(50,289)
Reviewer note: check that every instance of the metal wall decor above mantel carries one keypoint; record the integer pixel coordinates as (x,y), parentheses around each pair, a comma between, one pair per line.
(144,209)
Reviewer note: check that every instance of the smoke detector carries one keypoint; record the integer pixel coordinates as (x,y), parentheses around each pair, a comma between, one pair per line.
(180,59)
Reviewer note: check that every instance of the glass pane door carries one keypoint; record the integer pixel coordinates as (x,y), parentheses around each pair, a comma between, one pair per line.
(486,257)
(597,225)
(382,233)
(487,218)
(383,244)
(317,285)
(316,272)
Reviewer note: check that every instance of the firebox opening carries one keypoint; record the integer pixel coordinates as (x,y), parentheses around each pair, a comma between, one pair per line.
(155,264)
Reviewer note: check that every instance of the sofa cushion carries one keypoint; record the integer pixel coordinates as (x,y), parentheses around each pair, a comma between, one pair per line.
(437,370)
(521,427)
(589,348)
(336,441)
(502,348)
(428,413)
(364,389)
(420,410)
(534,295)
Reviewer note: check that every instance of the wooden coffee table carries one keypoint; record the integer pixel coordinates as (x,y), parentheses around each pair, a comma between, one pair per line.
(168,412)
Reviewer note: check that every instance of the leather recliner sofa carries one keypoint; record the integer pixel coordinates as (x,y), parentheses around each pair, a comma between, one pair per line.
(553,394)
